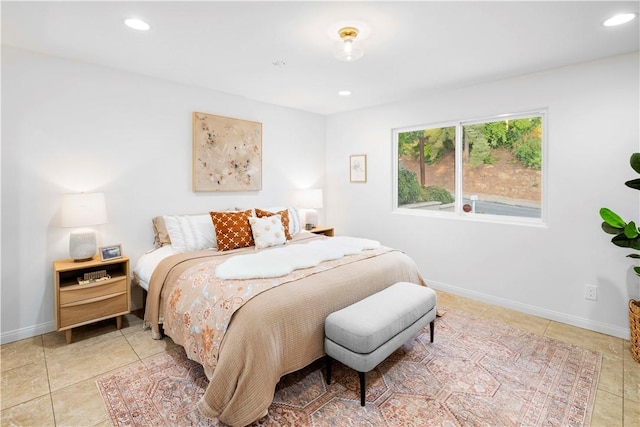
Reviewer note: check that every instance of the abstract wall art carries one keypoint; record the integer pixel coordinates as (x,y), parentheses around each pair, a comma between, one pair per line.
(227,153)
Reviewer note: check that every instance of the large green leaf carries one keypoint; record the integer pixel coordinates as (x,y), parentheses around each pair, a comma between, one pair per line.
(609,229)
(631,231)
(612,218)
(624,242)
(634,256)
(635,162)
(637,270)
(634,183)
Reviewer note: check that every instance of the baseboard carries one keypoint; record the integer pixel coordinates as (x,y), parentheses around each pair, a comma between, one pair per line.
(24,333)
(580,322)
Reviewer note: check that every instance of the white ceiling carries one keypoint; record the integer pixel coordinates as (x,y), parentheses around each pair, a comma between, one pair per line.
(411,47)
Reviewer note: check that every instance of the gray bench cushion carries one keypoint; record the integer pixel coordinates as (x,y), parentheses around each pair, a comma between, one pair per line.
(366,325)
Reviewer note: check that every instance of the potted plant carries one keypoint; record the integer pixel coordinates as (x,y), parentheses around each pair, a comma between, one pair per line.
(627,235)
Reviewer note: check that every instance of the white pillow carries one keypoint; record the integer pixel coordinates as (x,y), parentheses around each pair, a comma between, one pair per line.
(294,217)
(190,232)
(267,231)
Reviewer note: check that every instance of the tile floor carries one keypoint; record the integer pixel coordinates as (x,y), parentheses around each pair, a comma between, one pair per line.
(46,382)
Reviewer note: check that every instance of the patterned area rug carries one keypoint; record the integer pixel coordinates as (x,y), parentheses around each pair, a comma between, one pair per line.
(477,372)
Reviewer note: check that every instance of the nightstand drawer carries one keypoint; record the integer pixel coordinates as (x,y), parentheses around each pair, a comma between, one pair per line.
(70,294)
(101,306)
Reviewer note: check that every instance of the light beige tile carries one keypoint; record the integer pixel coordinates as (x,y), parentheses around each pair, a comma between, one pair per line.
(24,383)
(527,322)
(145,346)
(585,338)
(447,300)
(35,412)
(87,411)
(631,376)
(82,336)
(132,323)
(611,379)
(631,413)
(607,410)
(79,361)
(21,353)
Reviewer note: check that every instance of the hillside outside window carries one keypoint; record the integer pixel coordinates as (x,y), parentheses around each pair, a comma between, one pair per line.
(482,169)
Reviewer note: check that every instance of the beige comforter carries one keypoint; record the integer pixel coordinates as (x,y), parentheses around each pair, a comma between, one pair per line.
(276,332)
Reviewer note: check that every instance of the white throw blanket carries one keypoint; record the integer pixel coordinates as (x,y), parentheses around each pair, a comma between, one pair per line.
(283,260)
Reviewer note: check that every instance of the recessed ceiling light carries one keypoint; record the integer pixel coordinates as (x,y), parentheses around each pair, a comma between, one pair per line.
(619,19)
(136,24)
(344,92)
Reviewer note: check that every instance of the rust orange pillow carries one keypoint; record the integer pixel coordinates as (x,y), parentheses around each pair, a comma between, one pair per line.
(284,215)
(232,229)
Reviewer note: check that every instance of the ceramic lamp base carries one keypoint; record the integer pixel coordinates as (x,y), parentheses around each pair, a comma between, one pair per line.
(82,245)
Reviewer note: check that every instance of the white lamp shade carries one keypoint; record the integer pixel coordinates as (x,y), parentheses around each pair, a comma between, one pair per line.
(83,209)
(308,199)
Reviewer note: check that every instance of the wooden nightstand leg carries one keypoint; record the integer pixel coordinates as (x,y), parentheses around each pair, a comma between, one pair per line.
(118,322)
(67,334)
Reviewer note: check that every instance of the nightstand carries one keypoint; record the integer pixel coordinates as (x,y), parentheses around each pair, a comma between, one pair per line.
(80,304)
(327,231)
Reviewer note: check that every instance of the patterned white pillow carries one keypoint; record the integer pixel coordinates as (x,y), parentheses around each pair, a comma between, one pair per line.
(267,231)
(294,217)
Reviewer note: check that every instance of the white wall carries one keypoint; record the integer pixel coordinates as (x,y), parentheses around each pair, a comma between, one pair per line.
(593,127)
(71,127)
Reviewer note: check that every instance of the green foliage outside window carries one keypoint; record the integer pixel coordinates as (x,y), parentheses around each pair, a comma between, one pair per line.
(436,142)
(434,193)
(522,136)
(481,153)
(529,152)
(410,191)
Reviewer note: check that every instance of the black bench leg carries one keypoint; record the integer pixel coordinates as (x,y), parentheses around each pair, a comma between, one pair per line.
(432,328)
(329,363)
(363,386)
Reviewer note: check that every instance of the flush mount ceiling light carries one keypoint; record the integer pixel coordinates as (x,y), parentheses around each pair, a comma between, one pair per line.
(619,19)
(136,24)
(348,50)
(344,92)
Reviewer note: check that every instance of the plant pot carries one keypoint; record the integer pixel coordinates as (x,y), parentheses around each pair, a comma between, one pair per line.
(634,327)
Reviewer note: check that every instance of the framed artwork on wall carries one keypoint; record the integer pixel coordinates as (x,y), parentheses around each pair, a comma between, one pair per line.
(358,168)
(227,153)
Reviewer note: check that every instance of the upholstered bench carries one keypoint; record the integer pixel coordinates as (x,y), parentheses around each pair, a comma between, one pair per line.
(365,333)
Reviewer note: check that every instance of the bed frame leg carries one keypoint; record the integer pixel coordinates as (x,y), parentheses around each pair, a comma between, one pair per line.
(432,329)
(144,301)
(329,363)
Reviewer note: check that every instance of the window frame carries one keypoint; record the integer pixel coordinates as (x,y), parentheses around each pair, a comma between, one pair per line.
(458,213)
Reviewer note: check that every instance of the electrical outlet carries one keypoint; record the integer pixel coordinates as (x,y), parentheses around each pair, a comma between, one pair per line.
(591,292)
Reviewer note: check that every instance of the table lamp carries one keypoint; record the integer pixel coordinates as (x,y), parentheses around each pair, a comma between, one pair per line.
(80,211)
(309,200)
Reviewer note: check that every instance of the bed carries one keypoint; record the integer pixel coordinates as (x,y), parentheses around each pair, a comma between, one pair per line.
(249,332)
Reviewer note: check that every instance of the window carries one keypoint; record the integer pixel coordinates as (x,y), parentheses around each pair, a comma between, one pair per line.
(490,168)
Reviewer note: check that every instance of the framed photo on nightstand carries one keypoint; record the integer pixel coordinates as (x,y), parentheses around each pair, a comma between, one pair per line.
(110,252)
